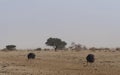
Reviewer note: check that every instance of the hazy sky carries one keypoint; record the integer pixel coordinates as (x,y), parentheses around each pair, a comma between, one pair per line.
(29,23)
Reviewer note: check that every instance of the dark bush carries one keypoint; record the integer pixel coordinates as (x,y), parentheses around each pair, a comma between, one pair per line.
(31,56)
(38,49)
(90,58)
(117,49)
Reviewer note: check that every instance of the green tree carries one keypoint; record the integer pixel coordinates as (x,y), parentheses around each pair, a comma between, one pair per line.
(56,43)
(11,47)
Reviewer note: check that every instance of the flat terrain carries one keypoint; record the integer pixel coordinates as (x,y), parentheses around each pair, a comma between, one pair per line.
(59,63)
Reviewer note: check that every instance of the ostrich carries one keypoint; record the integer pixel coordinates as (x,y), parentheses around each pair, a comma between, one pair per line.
(90,58)
(31,56)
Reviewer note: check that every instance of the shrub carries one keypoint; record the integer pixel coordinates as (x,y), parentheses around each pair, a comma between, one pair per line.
(31,56)
(38,49)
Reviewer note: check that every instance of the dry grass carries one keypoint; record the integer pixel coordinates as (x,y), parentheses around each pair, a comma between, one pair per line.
(59,63)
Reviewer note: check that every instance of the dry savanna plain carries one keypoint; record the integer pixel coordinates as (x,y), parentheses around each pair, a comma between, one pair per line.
(59,63)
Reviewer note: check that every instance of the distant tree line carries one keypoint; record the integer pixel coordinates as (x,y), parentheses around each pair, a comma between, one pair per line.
(58,44)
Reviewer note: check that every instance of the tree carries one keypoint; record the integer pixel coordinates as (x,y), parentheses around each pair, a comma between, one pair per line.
(77,47)
(11,47)
(85,48)
(56,43)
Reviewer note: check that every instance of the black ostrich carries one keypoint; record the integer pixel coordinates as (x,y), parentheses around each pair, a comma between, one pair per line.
(90,58)
(31,56)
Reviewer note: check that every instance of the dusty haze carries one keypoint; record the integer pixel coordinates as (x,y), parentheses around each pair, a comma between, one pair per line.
(28,23)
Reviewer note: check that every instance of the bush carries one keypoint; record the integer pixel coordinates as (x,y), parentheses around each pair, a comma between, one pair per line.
(31,56)
(38,49)
(117,49)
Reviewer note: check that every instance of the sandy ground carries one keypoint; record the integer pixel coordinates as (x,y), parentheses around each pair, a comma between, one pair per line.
(59,63)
